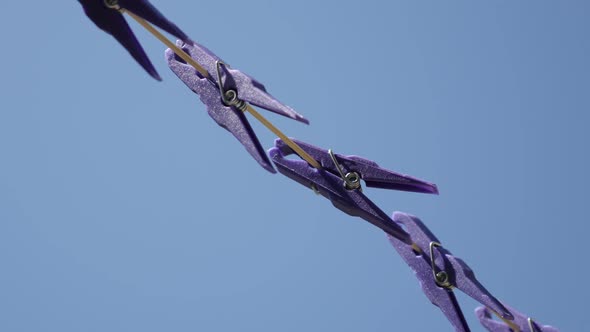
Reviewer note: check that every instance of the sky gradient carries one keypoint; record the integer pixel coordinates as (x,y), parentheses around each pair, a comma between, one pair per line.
(124,207)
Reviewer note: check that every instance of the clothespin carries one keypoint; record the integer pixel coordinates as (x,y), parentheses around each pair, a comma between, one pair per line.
(339,180)
(108,16)
(439,272)
(225,92)
(521,323)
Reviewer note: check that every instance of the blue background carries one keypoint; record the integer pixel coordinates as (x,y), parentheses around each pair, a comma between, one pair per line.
(124,207)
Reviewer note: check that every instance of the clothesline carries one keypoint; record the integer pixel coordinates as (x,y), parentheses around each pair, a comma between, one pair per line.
(228,94)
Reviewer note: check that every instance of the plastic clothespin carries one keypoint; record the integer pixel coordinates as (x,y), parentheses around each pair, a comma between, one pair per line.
(522,322)
(339,180)
(225,92)
(439,272)
(107,15)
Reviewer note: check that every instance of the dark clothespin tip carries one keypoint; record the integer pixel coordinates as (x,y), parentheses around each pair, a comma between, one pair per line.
(106,15)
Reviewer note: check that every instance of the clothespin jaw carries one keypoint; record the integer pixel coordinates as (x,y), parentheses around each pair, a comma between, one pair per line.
(439,271)
(521,322)
(340,185)
(230,118)
(106,14)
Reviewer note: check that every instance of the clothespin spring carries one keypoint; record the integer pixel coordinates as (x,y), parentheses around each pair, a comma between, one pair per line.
(352,180)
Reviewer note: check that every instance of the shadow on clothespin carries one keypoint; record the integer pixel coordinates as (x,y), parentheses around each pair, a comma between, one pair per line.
(339,180)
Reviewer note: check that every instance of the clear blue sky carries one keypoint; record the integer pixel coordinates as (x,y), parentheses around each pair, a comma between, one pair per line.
(124,207)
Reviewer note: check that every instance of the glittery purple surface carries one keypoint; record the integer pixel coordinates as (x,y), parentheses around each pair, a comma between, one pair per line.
(460,275)
(248,88)
(229,118)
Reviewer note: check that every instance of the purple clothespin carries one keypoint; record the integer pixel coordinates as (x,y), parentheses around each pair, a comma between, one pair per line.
(522,322)
(227,105)
(439,272)
(105,14)
(339,181)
